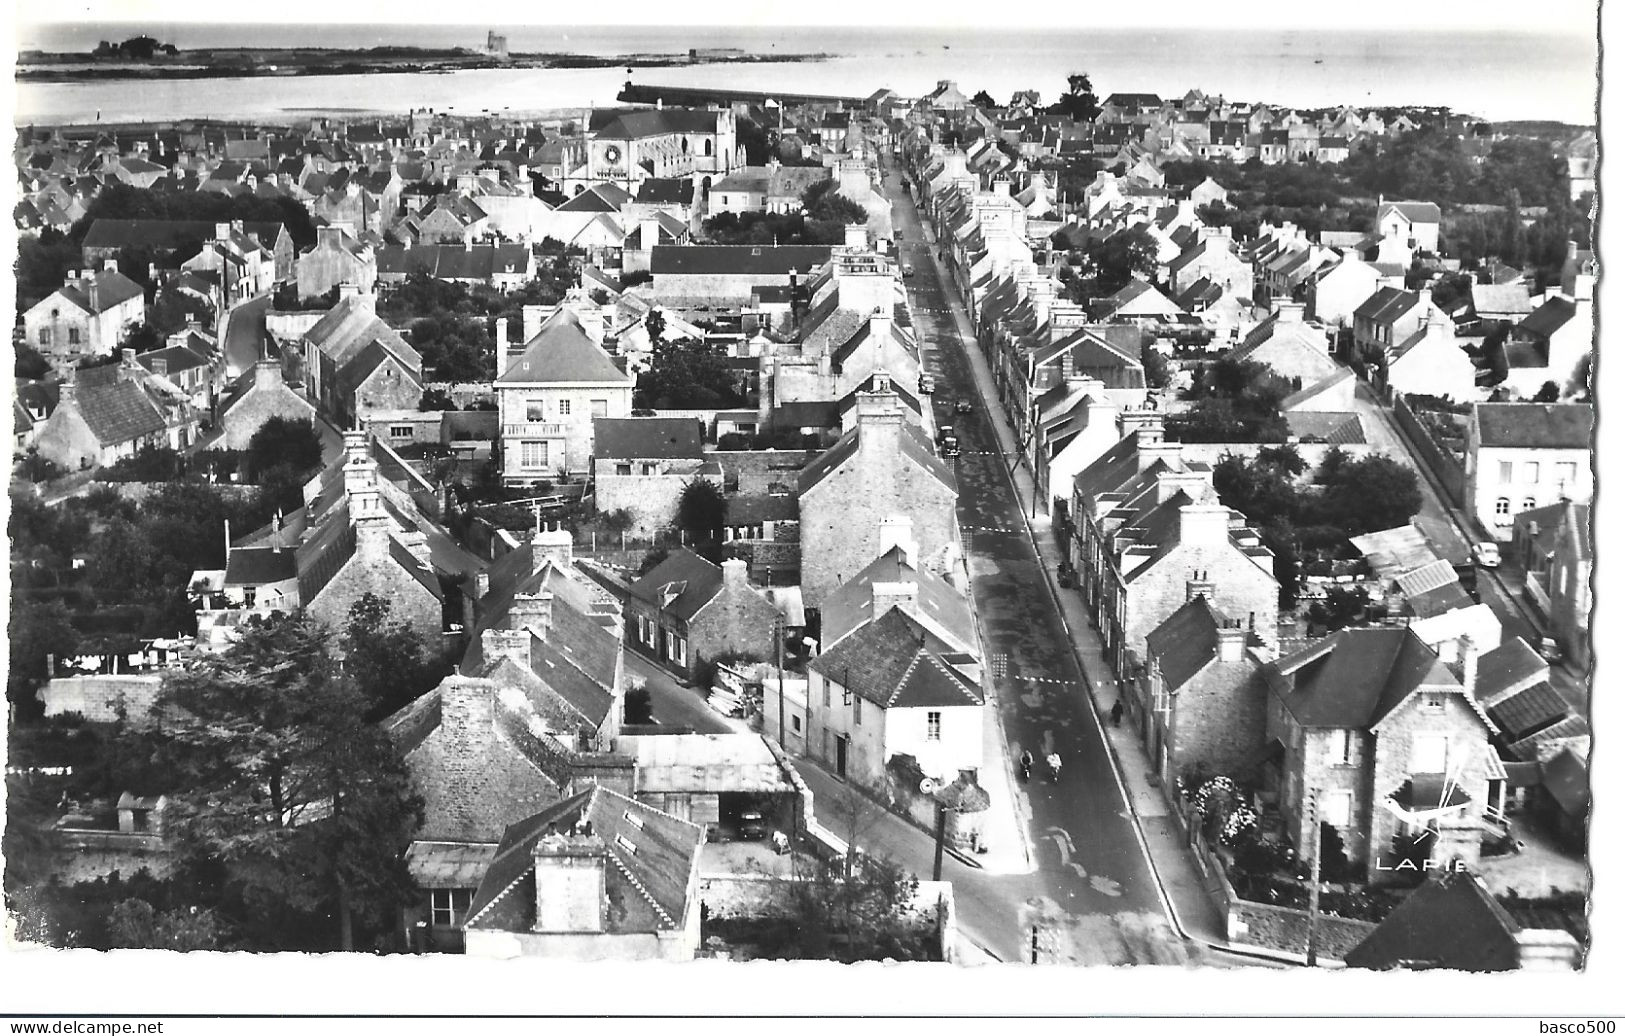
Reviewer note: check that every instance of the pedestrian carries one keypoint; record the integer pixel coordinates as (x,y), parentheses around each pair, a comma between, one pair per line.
(1117,713)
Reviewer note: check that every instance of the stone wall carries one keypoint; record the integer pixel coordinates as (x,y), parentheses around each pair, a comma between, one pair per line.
(1311,452)
(732,895)
(738,619)
(135,492)
(1445,469)
(291,326)
(751,472)
(651,499)
(101,699)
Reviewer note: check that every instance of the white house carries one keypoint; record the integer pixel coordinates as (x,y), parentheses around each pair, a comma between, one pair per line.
(1414,222)
(90,315)
(1521,456)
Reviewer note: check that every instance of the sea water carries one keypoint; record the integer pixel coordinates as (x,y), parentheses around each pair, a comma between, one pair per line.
(1495,75)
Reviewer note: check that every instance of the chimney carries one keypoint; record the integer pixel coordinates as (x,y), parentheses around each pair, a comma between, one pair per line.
(1289,312)
(267,373)
(857,237)
(497,644)
(1232,643)
(110,265)
(570,889)
(1147,453)
(222,231)
(1467,653)
(649,233)
(1069,364)
(898,531)
(416,543)
(1204,525)
(502,346)
(880,325)
(371,526)
(734,574)
(894,595)
(349,290)
(533,612)
(482,584)
(127,357)
(556,545)
(1144,425)
(532,319)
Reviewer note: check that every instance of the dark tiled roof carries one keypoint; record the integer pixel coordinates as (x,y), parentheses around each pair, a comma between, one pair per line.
(117,411)
(1534,425)
(1511,663)
(1355,677)
(1451,922)
(256,566)
(685,580)
(1528,747)
(563,352)
(321,557)
(894,661)
(1185,642)
(851,604)
(167,233)
(646,438)
(756,509)
(1547,319)
(1387,304)
(1529,711)
(757,260)
(1567,780)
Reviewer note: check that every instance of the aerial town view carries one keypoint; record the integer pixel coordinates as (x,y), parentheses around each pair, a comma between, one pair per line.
(667,496)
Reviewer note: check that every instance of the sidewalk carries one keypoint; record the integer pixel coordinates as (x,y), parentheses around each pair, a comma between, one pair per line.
(1183,888)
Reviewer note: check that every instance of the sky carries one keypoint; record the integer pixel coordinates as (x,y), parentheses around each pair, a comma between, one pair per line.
(1565,16)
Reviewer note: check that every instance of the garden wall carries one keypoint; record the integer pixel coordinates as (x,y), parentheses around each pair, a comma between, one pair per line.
(1445,469)
(741,896)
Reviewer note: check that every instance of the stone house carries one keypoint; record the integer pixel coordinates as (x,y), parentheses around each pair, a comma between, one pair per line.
(1553,342)
(336,258)
(1520,456)
(1202,696)
(236,263)
(687,610)
(104,414)
(1568,583)
(1149,534)
(1297,351)
(892,688)
(1430,362)
(162,238)
(642,464)
(1390,317)
(1371,733)
(723,275)
(598,876)
(552,391)
(1335,291)
(190,364)
(255,399)
(90,315)
(1213,256)
(895,579)
(884,466)
(354,361)
(1452,923)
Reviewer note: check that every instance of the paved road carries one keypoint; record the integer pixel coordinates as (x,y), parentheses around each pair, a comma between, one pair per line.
(1095,898)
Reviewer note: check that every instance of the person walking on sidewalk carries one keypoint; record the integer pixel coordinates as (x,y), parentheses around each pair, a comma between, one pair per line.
(1117,713)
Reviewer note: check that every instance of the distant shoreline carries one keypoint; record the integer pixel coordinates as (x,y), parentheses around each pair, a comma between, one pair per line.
(247,63)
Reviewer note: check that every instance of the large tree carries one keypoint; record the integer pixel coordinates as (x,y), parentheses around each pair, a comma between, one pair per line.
(701,510)
(391,663)
(686,373)
(280,778)
(1079,101)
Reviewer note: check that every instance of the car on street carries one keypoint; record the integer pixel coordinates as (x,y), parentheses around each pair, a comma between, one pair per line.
(1487,555)
(964,406)
(908,269)
(1551,650)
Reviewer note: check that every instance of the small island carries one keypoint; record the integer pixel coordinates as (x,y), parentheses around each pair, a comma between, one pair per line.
(143,57)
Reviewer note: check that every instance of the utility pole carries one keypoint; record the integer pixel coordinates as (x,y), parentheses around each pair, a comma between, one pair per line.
(778,645)
(1314,874)
(942,822)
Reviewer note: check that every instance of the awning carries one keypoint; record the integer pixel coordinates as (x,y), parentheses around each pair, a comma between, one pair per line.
(449,865)
(1426,798)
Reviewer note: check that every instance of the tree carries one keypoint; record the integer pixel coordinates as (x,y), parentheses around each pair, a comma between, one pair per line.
(1157,374)
(1342,606)
(701,510)
(283,442)
(655,324)
(686,373)
(1118,259)
(824,203)
(389,661)
(1548,393)
(1079,101)
(135,924)
(36,630)
(983,99)
(1367,495)
(278,777)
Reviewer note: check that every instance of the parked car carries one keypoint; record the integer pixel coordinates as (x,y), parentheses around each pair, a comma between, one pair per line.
(1551,650)
(752,825)
(908,269)
(1487,555)
(964,406)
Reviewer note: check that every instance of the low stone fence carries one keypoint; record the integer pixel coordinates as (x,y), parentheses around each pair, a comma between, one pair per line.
(135,492)
(1445,468)
(747,896)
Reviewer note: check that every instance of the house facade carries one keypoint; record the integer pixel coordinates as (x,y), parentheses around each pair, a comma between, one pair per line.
(1520,456)
(551,391)
(90,315)
(686,611)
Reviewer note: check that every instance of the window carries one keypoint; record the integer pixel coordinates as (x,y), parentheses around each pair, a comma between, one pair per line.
(1506,471)
(795,724)
(1335,807)
(535,410)
(400,431)
(45,336)
(933,726)
(1433,702)
(633,819)
(1528,504)
(447,906)
(1340,747)
(826,694)
(533,454)
(1429,753)
(857,710)
(679,650)
(564,408)
(1566,470)
(1503,506)
(73,336)
(626,844)
(600,407)
(1531,471)
(623,469)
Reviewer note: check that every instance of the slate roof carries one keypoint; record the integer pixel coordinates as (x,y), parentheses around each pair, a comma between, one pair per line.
(563,352)
(1185,642)
(646,438)
(1509,664)
(111,288)
(851,604)
(1532,746)
(117,410)
(1529,711)
(1560,426)
(1355,677)
(646,887)
(635,123)
(256,566)
(895,662)
(1415,211)
(1544,321)
(168,233)
(756,509)
(1387,305)
(1450,922)
(685,579)
(1567,779)
(744,260)
(915,447)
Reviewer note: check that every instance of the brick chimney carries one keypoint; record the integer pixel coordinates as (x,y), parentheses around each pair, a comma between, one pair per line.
(880,429)
(1467,655)
(1232,645)
(504,643)
(349,289)
(894,595)
(1147,453)
(482,584)
(556,545)
(880,324)
(416,541)
(533,611)
(1289,312)
(502,346)
(267,373)
(1068,363)
(735,574)
(1204,525)
(371,527)
(1144,425)
(570,890)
